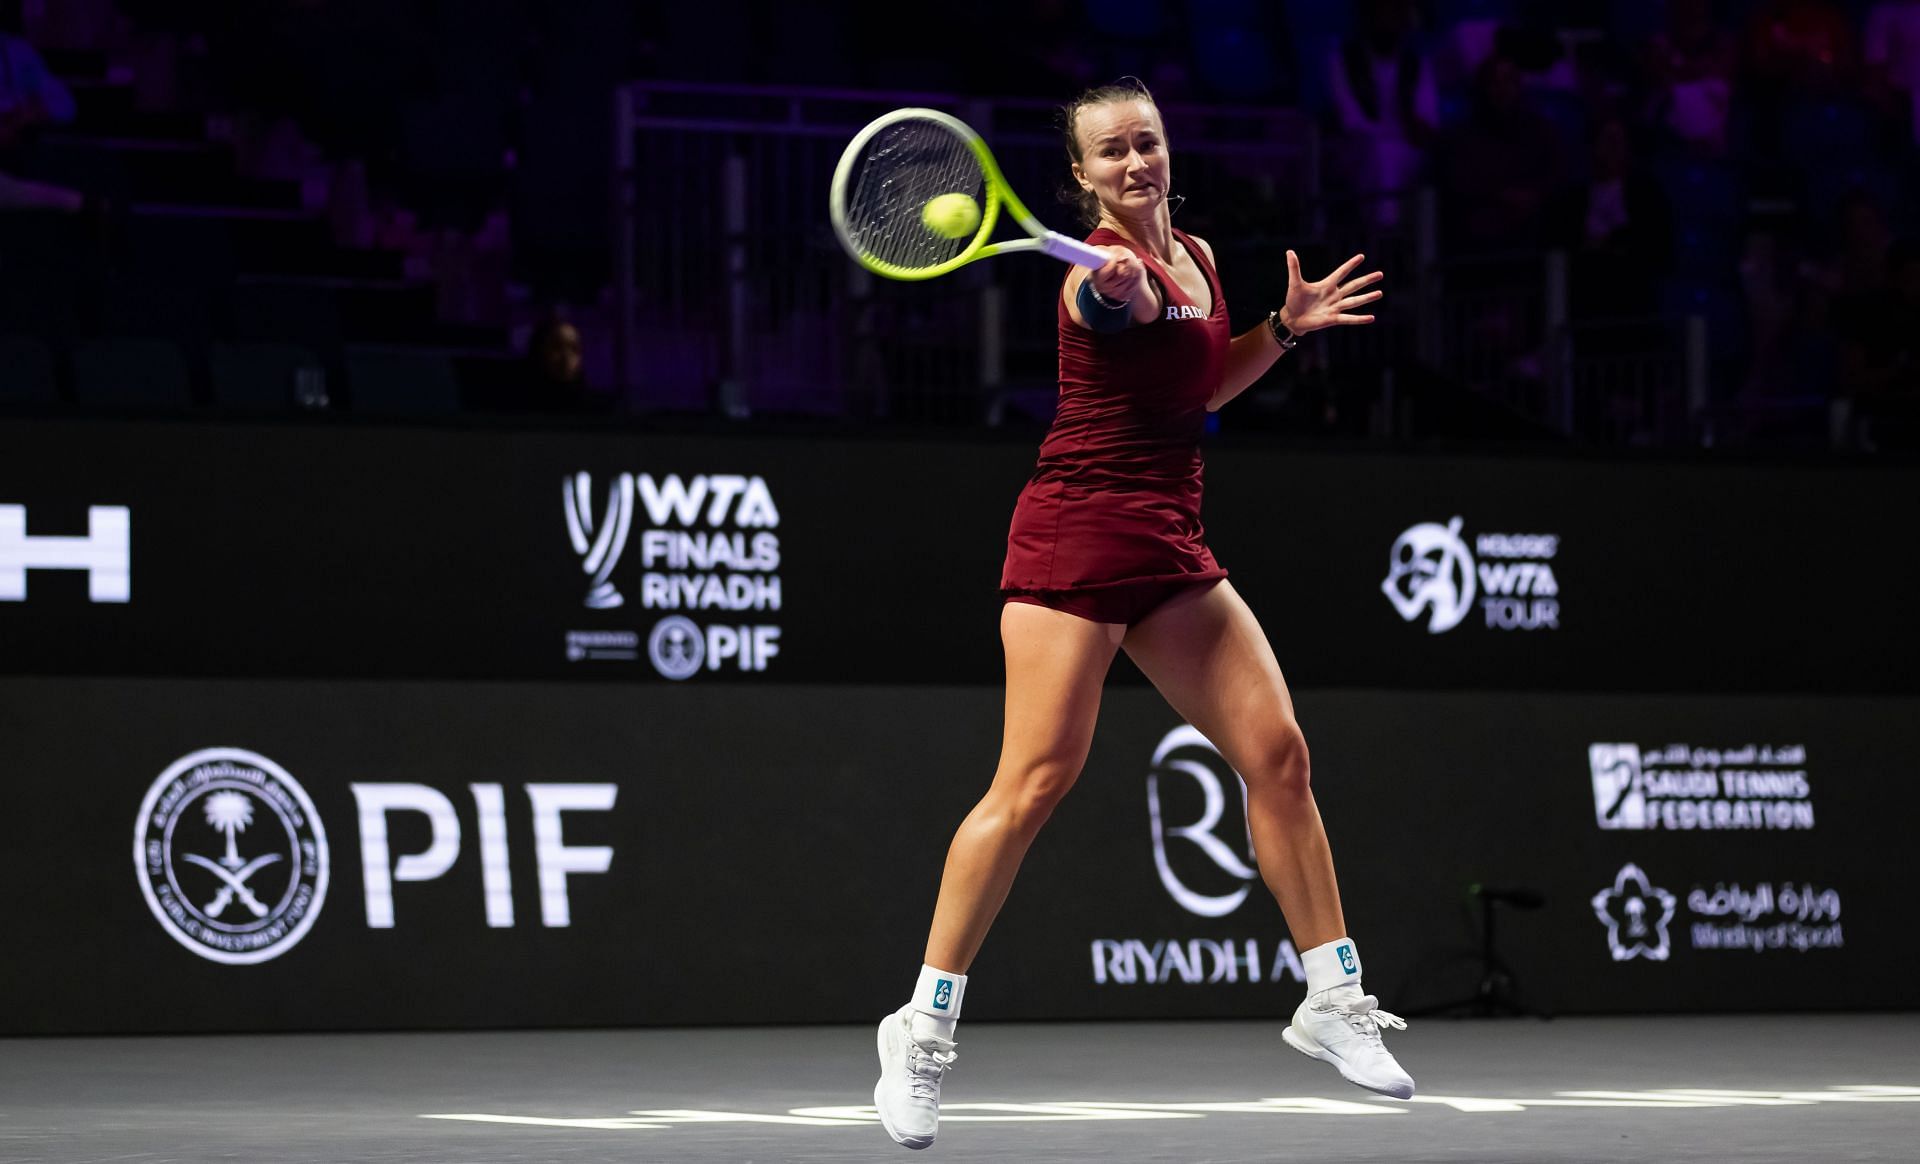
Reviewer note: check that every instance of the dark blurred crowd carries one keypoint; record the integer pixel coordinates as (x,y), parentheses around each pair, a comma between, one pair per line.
(1750,162)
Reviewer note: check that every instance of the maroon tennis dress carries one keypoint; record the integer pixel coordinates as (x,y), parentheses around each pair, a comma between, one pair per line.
(1108,527)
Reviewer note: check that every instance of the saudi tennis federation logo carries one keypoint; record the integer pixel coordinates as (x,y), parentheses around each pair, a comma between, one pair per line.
(1430,571)
(1636,913)
(232,856)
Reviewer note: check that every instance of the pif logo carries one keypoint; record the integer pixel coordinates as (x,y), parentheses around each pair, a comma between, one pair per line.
(232,856)
(942,993)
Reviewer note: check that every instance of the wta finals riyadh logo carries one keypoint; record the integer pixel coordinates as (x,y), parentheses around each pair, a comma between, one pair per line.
(600,548)
(1430,570)
(231,855)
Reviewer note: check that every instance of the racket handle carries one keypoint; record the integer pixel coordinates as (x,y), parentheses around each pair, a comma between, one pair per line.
(1072,250)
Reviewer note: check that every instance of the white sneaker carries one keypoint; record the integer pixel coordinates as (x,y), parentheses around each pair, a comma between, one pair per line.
(1344,1029)
(911,1067)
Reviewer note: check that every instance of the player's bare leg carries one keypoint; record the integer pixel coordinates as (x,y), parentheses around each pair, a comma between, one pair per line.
(1206,653)
(1056,664)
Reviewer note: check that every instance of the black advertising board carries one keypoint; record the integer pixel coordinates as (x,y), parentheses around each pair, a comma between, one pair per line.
(201,855)
(232,550)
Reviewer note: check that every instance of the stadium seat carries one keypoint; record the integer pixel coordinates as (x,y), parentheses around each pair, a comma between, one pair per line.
(131,373)
(287,311)
(387,382)
(1709,211)
(260,377)
(156,307)
(26,371)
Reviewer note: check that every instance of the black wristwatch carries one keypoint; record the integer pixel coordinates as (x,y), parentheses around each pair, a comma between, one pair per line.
(1286,339)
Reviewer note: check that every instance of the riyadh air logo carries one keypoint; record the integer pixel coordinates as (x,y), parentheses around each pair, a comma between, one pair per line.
(232,856)
(942,993)
(1432,574)
(1186,855)
(105,553)
(1636,914)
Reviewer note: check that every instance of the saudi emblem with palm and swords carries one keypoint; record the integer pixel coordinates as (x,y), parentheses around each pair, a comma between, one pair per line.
(232,856)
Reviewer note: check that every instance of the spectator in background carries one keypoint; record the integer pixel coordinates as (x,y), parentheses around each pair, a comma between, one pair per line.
(1880,353)
(1802,44)
(1891,47)
(1859,264)
(1827,300)
(1691,69)
(1618,226)
(1806,92)
(553,374)
(1385,105)
(1502,167)
(30,97)
(1052,54)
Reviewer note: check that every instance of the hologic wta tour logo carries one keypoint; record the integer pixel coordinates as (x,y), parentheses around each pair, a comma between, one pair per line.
(1432,574)
(708,549)
(232,856)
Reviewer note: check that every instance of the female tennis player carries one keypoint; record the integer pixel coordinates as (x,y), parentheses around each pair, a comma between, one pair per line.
(1106,552)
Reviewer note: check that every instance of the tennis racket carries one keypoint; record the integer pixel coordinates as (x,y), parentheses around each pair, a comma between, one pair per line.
(899,164)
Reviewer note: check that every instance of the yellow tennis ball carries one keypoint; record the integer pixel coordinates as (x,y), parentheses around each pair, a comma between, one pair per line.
(951,215)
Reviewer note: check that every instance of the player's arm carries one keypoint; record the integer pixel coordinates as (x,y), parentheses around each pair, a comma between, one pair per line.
(1114,297)
(1249,354)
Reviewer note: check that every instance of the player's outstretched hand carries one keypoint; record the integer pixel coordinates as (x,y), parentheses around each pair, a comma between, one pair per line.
(1327,302)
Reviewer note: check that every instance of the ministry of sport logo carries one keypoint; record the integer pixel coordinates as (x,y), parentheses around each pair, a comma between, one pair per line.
(1432,574)
(707,543)
(1636,913)
(232,856)
(1729,916)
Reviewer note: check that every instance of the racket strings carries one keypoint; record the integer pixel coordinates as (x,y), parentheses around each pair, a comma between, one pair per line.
(904,167)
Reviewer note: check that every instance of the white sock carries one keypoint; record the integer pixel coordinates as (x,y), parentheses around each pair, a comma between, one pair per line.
(936,1001)
(1333,966)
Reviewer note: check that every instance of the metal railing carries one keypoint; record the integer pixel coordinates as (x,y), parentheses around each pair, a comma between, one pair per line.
(734,297)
